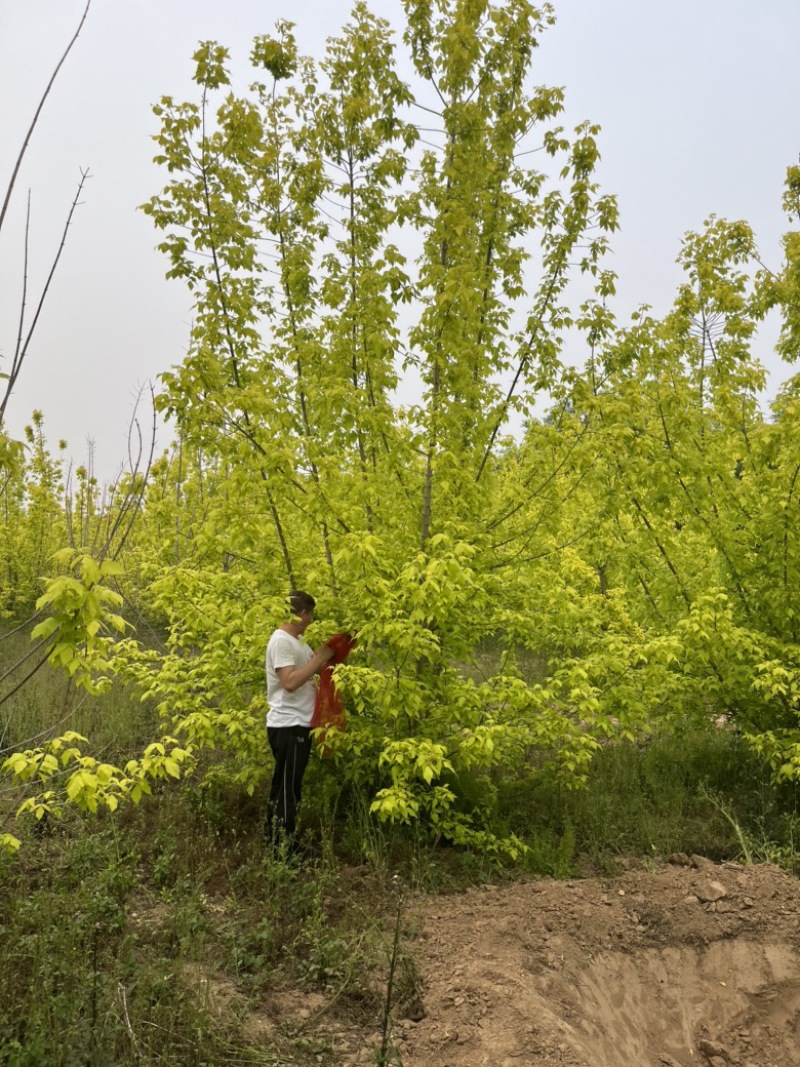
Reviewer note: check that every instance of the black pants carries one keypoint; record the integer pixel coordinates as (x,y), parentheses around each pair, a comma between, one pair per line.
(291,747)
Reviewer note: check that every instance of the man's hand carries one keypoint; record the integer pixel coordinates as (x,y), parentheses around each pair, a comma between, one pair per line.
(291,678)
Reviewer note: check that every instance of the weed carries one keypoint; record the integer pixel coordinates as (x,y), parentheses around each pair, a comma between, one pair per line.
(319,950)
(385,1054)
(757,846)
(647,800)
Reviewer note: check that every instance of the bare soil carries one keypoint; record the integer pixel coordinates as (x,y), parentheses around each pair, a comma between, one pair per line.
(684,963)
(690,964)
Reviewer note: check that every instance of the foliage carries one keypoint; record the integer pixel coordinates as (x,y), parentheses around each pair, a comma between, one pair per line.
(80,617)
(32,521)
(80,604)
(90,976)
(61,774)
(702,792)
(553,533)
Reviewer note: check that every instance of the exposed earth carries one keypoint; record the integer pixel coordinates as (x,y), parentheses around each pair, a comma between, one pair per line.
(689,964)
(683,963)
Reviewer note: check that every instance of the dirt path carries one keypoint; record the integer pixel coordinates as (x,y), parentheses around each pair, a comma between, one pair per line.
(689,964)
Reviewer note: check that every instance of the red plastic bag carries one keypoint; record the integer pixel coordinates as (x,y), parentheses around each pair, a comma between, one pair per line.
(328,706)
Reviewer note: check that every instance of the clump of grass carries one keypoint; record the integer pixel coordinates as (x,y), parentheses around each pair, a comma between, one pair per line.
(758,843)
(115,930)
(647,800)
(83,981)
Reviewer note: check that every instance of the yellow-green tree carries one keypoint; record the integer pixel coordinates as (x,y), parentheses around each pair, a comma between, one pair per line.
(336,248)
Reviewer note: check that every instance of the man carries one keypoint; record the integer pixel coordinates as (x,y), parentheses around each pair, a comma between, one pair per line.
(291,692)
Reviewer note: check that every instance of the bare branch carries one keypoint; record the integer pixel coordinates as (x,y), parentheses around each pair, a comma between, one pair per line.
(33,124)
(21,349)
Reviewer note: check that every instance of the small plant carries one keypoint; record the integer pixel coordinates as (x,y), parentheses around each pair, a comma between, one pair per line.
(322,953)
(387,1055)
(757,847)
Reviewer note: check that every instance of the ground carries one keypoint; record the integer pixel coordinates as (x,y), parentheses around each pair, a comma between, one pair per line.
(685,962)
(691,963)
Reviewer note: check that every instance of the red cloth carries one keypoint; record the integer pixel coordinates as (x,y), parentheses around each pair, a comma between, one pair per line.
(328,706)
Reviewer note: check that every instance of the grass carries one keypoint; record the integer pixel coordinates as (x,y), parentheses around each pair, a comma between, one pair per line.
(698,793)
(143,938)
(116,723)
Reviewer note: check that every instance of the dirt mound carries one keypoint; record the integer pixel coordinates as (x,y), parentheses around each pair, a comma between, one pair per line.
(689,964)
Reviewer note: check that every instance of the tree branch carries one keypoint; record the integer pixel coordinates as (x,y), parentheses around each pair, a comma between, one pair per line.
(35,121)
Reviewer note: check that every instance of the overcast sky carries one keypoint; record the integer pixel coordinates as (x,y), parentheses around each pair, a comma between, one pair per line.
(699,103)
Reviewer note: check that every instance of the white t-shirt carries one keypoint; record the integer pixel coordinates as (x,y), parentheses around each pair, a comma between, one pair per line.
(285,708)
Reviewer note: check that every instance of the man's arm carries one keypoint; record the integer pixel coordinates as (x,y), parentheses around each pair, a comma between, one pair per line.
(292,678)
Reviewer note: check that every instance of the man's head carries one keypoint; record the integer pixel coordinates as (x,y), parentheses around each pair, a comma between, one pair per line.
(302,608)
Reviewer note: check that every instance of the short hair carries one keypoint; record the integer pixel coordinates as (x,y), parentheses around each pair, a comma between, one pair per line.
(299,601)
